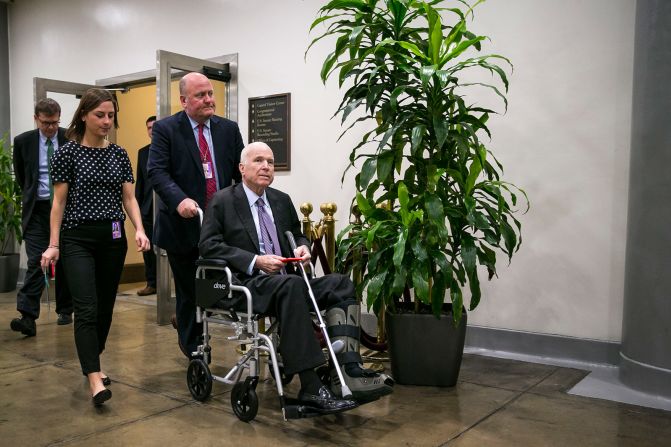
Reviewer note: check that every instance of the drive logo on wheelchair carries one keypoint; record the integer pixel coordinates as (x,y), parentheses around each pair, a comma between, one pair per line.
(211,291)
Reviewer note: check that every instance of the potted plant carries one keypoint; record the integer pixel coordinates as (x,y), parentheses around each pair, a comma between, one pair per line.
(10,219)
(434,208)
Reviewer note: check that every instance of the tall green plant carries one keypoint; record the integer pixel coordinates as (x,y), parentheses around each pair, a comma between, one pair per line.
(10,199)
(433,204)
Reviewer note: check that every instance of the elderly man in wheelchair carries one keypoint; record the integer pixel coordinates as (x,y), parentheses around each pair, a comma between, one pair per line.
(252,227)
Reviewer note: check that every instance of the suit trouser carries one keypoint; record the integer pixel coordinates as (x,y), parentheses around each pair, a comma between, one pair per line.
(149,256)
(93,265)
(290,302)
(36,237)
(183,266)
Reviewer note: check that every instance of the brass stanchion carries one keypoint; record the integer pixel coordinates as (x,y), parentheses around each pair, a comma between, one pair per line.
(329,209)
(306,209)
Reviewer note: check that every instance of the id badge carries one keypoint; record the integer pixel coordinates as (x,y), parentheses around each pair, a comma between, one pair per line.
(207,170)
(116,230)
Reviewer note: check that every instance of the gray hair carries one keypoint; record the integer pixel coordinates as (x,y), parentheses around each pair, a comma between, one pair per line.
(255,145)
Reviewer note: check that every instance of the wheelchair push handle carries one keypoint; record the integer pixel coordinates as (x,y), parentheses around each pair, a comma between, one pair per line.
(292,241)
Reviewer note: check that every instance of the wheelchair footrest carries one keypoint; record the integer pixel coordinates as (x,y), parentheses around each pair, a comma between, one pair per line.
(295,409)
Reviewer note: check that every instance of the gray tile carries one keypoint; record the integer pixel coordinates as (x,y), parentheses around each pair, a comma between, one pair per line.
(497,402)
(46,404)
(559,382)
(503,373)
(534,420)
(11,361)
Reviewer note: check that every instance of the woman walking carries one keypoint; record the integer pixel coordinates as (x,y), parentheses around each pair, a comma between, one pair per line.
(92,179)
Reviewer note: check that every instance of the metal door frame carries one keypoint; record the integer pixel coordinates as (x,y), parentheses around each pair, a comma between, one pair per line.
(42,86)
(163,75)
(165,63)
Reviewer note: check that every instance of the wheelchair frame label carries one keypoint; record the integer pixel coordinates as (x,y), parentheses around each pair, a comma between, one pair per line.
(210,291)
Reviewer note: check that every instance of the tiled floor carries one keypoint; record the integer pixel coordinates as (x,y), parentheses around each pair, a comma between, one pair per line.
(497,402)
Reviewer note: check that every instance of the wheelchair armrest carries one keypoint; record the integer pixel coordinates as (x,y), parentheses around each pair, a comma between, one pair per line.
(203,262)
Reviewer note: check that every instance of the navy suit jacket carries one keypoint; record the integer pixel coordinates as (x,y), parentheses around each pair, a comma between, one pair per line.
(142,186)
(175,172)
(27,168)
(229,232)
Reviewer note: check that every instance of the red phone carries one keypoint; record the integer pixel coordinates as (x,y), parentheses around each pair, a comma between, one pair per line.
(292,259)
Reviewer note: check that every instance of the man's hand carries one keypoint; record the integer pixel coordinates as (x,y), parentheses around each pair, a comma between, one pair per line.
(269,263)
(303,252)
(187,208)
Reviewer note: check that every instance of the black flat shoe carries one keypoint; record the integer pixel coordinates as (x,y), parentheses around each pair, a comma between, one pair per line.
(101,397)
(107,381)
(325,401)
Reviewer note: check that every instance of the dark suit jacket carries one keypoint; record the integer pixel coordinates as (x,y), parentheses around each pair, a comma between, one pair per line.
(142,187)
(229,232)
(27,168)
(176,173)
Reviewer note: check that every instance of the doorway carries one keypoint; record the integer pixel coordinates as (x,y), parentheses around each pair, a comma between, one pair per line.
(140,95)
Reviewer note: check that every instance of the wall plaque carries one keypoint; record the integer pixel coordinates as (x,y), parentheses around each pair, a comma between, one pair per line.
(270,122)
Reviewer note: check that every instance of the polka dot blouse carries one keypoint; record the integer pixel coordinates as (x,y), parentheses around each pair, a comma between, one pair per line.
(95,177)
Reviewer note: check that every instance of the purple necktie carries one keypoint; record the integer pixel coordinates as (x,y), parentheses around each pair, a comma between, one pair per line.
(268,231)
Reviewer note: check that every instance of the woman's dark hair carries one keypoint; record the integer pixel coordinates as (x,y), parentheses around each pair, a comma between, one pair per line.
(91,99)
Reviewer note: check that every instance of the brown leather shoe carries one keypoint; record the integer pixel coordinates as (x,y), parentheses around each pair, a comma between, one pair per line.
(147,291)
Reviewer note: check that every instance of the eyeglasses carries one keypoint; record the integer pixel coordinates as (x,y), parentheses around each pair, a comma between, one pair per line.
(49,123)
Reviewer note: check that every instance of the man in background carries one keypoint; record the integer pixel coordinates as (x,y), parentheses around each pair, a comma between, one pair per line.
(143,194)
(32,153)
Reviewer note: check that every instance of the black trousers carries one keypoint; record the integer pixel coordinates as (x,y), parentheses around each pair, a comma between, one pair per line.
(183,266)
(93,264)
(36,238)
(149,256)
(286,297)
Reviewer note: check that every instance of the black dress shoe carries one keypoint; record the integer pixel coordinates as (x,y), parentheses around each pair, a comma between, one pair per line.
(64,319)
(25,325)
(325,401)
(107,381)
(101,397)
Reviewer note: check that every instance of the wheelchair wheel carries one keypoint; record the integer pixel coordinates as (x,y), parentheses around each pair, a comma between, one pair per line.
(284,377)
(244,401)
(199,379)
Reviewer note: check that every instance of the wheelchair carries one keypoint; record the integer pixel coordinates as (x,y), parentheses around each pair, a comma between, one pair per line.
(220,301)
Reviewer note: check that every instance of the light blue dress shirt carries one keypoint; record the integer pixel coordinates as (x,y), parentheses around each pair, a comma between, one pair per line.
(43,178)
(208,138)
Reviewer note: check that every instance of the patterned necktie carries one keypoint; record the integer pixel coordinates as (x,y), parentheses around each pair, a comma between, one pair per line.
(50,153)
(268,231)
(206,158)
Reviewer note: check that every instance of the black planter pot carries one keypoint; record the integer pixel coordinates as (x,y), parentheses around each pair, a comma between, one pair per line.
(425,350)
(9,272)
